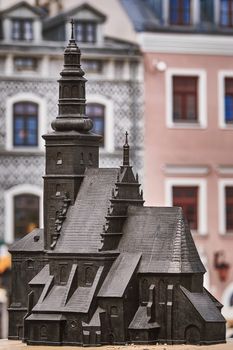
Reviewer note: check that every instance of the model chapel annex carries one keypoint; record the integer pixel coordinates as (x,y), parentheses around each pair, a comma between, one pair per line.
(105,269)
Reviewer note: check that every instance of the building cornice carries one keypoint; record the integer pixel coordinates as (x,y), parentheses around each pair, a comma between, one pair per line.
(186,43)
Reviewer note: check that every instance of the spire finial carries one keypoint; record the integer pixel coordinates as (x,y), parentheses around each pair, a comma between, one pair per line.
(72,29)
(126,138)
(126,151)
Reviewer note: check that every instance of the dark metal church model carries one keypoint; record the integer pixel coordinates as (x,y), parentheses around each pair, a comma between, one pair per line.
(105,269)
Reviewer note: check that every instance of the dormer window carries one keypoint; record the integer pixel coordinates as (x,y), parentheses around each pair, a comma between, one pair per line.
(180,13)
(85,32)
(22,29)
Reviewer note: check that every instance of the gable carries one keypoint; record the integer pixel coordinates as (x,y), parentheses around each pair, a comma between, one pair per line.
(22,10)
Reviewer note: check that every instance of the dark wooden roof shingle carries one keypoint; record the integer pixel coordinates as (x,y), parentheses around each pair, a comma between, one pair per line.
(164,239)
(119,275)
(81,231)
(204,305)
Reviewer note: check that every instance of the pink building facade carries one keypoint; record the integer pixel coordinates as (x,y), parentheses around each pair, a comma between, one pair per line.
(188,74)
(194,155)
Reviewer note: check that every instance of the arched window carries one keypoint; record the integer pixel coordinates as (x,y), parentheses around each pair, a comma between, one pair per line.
(96,112)
(25,124)
(23,211)
(89,275)
(63,273)
(162,291)
(43,332)
(25,121)
(145,290)
(113,311)
(26,214)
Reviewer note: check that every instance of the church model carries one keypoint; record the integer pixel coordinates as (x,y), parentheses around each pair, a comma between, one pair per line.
(105,269)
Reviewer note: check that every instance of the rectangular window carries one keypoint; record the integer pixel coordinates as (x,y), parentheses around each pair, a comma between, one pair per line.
(25,64)
(187,198)
(179,12)
(92,66)
(85,32)
(22,29)
(185,100)
(226,13)
(229,207)
(228,100)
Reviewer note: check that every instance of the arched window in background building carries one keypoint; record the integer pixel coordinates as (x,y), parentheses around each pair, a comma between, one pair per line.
(26,214)
(25,124)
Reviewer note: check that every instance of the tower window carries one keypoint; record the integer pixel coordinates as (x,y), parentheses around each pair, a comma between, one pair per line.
(96,112)
(58,190)
(185,100)
(25,124)
(59,158)
(22,29)
(226,13)
(180,12)
(187,198)
(228,100)
(85,32)
(26,214)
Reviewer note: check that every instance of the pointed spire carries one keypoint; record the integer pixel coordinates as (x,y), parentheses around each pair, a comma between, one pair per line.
(72,99)
(126,151)
(72,29)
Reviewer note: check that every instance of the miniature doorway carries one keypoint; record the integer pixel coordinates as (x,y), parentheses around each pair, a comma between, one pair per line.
(192,335)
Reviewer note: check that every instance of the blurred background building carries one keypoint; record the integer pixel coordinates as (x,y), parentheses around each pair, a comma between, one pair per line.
(187,48)
(172,57)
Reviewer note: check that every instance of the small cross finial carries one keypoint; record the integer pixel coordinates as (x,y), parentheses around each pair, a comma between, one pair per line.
(126,151)
(72,28)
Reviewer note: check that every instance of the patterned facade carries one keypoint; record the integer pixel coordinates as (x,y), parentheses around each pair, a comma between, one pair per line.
(117,86)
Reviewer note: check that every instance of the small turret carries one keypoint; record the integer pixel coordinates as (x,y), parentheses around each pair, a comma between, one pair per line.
(72,99)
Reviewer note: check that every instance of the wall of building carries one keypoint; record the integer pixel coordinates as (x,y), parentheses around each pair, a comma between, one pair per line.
(191,154)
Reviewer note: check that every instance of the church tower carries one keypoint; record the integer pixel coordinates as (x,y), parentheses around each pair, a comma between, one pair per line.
(70,148)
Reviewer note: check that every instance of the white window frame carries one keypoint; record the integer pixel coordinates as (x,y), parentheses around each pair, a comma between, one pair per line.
(202,198)
(221,98)
(202,98)
(21,97)
(222,205)
(9,207)
(108,120)
(195,12)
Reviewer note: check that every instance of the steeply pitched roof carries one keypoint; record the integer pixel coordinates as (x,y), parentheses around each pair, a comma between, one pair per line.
(204,306)
(42,277)
(140,14)
(81,231)
(119,275)
(32,242)
(141,320)
(79,302)
(164,239)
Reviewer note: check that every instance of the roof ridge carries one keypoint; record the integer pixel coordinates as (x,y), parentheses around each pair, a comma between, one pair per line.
(177,245)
